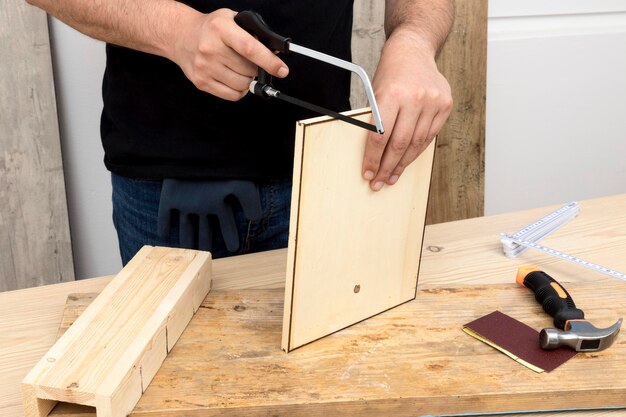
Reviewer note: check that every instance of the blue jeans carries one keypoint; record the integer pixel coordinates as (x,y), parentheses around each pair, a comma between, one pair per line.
(136,209)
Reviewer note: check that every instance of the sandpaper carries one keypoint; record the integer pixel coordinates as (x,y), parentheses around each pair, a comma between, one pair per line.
(518,341)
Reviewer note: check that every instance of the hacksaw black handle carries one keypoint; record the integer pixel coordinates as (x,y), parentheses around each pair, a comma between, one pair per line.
(554,299)
(253,23)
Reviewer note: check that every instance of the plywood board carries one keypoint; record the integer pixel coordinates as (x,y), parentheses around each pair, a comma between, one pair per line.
(110,354)
(414,360)
(35,246)
(352,252)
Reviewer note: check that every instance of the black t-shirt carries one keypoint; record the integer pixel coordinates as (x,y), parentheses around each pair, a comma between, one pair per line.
(156,124)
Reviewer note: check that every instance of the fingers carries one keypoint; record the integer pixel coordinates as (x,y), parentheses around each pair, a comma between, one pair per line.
(186,232)
(221,58)
(254,51)
(228,225)
(205,237)
(420,139)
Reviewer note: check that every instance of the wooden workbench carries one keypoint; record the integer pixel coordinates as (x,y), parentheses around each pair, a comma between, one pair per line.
(458,254)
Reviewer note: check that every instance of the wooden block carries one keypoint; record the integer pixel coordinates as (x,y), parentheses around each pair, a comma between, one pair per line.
(353,253)
(107,358)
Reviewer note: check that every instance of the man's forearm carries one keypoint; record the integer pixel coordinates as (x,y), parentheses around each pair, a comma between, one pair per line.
(145,25)
(428,20)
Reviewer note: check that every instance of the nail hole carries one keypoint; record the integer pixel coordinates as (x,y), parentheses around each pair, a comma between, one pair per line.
(357,288)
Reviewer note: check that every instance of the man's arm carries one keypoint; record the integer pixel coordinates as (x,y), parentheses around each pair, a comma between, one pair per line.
(413,97)
(213,51)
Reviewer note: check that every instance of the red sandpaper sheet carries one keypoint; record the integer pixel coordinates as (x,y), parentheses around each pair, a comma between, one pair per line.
(519,339)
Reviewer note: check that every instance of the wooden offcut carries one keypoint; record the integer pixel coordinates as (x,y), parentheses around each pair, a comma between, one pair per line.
(353,252)
(35,247)
(414,360)
(110,354)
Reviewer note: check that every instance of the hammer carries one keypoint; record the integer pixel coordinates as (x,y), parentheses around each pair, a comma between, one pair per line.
(572,328)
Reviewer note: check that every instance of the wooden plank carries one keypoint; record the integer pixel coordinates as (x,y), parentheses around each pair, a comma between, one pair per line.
(352,252)
(412,360)
(111,353)
(35,247)
(457,190)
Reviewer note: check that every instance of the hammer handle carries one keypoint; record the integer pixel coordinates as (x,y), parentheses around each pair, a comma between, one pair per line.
(554,299)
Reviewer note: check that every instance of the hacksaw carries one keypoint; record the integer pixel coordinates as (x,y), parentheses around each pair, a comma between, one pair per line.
(254,24)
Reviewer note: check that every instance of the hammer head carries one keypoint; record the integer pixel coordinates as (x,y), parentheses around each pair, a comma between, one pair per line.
(581,336)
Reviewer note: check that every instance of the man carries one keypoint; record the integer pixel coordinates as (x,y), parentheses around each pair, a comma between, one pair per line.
(178,125)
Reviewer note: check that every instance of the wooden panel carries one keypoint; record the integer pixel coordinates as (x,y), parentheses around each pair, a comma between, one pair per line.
(409,361)
(35,246)
(352,252)
(457,190)
(111,353)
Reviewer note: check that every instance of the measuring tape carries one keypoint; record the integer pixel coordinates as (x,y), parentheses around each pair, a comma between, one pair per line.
(541,228)
(528,237)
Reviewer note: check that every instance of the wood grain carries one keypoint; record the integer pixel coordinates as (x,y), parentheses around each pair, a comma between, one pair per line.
(412,360)
(111,353)
(462,253)
(35,247)
(352,252)
(368,38)
(457,190)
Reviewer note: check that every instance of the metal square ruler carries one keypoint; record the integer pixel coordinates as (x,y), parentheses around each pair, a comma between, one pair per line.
(528,236)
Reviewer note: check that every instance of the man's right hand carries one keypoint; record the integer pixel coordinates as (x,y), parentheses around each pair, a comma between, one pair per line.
(220,57)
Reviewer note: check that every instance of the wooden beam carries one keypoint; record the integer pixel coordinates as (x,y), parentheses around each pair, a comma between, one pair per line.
(353,253)
(35,246)
(111,353)
(414,360)
(457,190)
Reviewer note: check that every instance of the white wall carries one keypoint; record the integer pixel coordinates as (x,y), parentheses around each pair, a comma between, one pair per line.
(78,66)
(556,94)
(556,118)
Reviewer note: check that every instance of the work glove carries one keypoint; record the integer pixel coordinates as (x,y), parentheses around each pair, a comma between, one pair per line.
(191,198)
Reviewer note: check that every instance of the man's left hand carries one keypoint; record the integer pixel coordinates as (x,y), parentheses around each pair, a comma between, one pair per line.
(414,100)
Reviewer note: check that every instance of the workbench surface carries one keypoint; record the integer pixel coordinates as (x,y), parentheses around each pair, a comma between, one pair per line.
(465,254)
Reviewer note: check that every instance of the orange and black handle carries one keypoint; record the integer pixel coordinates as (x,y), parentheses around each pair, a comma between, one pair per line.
(554,299)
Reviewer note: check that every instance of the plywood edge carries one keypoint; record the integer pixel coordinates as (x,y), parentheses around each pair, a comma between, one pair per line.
(293,233)
(140,359)
(323,119)
(431,150)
